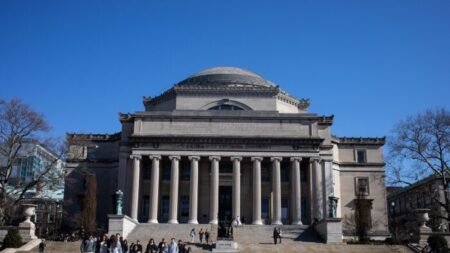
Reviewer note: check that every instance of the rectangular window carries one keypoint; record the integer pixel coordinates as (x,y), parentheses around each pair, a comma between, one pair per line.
(184,208)
(284,171)
(303,176)
(265,207)
(165,208)
(185,174)
(284,210)
(265,172)
(362,186)
(145,207)
(147,173)
(226,167)
(166,170)
(304,209)
(361,156)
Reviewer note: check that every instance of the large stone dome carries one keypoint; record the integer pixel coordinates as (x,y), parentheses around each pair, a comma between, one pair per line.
(226,76)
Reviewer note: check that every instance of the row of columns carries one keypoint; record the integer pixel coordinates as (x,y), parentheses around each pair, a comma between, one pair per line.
(214,189)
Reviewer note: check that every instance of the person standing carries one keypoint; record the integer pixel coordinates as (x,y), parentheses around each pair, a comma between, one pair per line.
(192,234)
(42,246)
(207,236)
(275,235)
(173,247)
(103,244)
(88,245)
(279,234)
(151,247)
(162,247)
(200,234)
(114,245)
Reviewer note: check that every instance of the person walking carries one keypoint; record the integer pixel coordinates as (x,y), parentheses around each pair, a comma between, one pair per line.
(200,234)
(42,246)
(192,234)
(275,235)
(88,245)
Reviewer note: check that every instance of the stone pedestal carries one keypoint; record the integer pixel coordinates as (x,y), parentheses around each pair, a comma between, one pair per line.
(330,230)
(226,246)
(121,224)
(26,231)
(27,227)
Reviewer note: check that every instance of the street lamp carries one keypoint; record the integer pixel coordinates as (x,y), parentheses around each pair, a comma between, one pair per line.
(394,225)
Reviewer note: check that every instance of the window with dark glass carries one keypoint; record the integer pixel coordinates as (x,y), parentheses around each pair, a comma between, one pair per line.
(361,156)
(226,167)
(362,186)
(166,169)
(226,107)
(303,176)
(265,172)
(284,172)
(147,173)
(185,171)
(184,206)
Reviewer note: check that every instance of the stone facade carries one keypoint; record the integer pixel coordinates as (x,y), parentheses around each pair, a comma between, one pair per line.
(226,143)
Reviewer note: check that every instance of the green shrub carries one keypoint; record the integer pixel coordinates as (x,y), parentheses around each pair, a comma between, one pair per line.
(438,244)
(12,239)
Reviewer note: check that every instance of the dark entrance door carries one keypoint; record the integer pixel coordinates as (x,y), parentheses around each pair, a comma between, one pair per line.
(225,203)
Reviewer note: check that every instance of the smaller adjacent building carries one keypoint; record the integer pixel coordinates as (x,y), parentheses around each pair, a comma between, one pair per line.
(403,203)
(33,161)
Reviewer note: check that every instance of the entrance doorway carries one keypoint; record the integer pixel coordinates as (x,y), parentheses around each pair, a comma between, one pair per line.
(225,202)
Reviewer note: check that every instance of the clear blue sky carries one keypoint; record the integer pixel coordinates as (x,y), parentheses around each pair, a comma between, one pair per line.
(370,63)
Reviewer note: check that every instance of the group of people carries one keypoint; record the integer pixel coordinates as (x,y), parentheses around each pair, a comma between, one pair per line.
(203,235)
(116,244)
(277,235)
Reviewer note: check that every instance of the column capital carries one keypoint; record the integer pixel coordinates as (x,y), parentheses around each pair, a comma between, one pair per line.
(315,159)
(296,158)
(194,157)
(139,157)
(256,158)
(276,158)
(239,158)
(154,157)
(174,157)
(212,158)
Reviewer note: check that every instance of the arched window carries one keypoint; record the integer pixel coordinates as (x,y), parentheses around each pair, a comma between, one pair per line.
(226,107)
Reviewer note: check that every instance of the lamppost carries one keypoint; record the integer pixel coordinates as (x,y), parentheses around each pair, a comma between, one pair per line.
(394,225)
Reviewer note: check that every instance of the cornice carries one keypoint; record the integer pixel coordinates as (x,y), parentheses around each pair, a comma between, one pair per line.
(302,104)
(297,143)
(94,137)
(359,140)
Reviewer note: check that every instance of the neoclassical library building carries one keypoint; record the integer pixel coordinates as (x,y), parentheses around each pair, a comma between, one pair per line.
(225,144)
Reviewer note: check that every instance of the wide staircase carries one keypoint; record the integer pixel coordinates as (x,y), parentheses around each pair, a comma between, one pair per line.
(251,239)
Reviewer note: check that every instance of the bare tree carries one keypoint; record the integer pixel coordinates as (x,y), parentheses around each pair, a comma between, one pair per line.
(89,203)
(20,124)
(419,147)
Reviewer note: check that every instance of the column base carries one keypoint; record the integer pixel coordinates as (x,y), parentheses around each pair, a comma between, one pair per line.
(214,222)
(296,223)
(192,222)
(153,221)
(277,222)
(173,221)
(257,222)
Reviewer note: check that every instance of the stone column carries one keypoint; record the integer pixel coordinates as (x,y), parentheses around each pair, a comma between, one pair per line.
(135,187)
(257,190)
(276,188)
(296,216)
(327,185)
(317,190)
(193,197)
(154,190)
(236,213)
(174,178)
(214,190)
